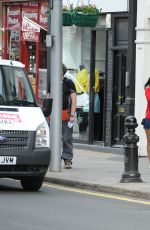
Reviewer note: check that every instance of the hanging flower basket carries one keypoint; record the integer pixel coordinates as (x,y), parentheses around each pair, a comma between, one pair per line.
(67,19)
(81,19)
(85,15)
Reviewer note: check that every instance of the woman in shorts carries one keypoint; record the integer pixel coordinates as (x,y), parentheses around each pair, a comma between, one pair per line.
(146,121)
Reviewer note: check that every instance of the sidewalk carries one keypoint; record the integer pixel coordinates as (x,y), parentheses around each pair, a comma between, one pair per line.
(102,172)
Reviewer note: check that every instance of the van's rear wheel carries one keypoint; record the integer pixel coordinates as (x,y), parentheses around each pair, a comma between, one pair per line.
(32,183)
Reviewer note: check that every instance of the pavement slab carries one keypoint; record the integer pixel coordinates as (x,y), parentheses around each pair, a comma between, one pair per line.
(102,171)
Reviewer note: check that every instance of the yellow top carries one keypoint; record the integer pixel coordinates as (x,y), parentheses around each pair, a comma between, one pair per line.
(97,81)
(82,81)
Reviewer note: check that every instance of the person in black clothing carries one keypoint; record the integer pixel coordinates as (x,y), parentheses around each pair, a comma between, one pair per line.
(68,118)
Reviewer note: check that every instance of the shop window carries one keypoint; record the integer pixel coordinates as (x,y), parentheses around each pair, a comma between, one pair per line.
(14,45)
(121,31)
(43,50)
(32,59)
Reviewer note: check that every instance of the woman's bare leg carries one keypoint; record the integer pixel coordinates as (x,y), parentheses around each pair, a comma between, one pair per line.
(147,131)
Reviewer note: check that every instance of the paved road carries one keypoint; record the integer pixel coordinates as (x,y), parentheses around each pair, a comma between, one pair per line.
(62,208)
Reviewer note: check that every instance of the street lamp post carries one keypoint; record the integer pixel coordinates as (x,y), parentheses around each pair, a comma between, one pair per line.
(56,85)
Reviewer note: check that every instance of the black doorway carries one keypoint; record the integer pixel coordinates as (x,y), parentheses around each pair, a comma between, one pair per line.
(98,59)
(118,116)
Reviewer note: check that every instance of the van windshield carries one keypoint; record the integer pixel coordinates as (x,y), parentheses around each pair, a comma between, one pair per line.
(14,87)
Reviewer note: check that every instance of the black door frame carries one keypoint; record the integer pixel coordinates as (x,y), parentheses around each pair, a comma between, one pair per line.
(116,47)
(118,111)
(92,81)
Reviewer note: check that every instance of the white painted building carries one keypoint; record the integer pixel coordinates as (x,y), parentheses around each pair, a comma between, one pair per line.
(142,67)
(111,51)
(75,50)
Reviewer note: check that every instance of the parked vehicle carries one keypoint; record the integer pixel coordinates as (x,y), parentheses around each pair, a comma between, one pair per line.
(24,132)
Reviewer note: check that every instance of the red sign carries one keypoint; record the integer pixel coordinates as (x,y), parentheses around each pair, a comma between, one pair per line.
(30,26)
(13,17)
(43,17)
(30,10)
(30,36)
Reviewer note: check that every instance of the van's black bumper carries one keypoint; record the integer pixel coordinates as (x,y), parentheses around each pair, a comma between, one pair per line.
(30,163)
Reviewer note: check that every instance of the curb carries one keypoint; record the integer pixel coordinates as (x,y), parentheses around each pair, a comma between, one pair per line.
(99,188)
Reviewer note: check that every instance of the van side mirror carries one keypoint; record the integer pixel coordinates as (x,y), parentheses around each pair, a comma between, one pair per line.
(47,106)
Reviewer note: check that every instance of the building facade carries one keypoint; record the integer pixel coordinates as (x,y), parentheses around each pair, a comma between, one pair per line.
(105,125)
(142,67)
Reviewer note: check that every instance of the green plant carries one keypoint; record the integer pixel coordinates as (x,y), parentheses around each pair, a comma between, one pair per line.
(68,8)
(66,13)
(87,9)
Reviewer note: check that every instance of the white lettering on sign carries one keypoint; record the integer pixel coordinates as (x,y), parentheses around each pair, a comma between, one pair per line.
(30,4)
(14,12)
(10,117)
(31,36)
(6,122)
(43,20)
(43,14)
(30,15)
(29,26)
(13,21)
(13,16)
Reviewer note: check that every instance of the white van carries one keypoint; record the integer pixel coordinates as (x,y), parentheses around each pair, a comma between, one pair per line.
(24,132)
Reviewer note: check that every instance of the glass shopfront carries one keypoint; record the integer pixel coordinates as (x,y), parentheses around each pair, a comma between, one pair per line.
(90,118)
(90,79)
(83,117)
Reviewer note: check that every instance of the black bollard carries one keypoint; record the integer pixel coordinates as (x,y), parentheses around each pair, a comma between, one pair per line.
(131,173)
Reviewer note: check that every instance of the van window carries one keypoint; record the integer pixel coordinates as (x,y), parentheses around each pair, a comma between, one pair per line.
(14,87)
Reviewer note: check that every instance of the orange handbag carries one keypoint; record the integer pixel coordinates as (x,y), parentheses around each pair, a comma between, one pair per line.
(65,114)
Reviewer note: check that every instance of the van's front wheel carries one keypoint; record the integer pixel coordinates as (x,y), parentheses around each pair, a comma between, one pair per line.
(32,183)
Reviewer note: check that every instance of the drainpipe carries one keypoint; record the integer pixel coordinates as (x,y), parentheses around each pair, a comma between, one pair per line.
(48,52)
(131,57)
(4,35)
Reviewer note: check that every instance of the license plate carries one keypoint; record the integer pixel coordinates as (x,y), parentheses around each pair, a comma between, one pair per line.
(7,160)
